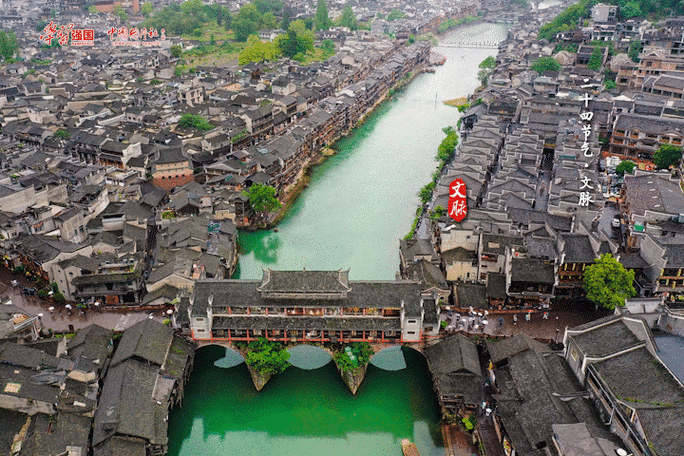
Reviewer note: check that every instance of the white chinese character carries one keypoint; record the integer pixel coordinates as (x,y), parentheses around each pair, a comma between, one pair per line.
(585,99)
(457,208)
(587,116)
(456,191)
(585,183)
(585,198)
(586,129)
(586,151)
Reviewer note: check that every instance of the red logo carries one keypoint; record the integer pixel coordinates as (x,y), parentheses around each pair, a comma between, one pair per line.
(458,201)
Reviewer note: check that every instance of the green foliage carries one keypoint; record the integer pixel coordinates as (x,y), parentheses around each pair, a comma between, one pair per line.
(488,63)
(445,151)
(246,22)
(258,51)
(328,46)
(438,212)
(42,294)
(267,357)
(194,121)
(470,422)
(8,45)
(287,19)
(667,155)
(298,40)
(62,134)
(425,193)
(625,166)
(358,354)
(120,13)
(262,198)
(348,19)
(609,84)
(321,20)
(184,19)
(635,48)
(58,297)
(269,21)
(155,81)
(146,9)
(176,51)
(567,20)
(607,283)
(268,6)
(395,15)
(40,26)
(545,63)
(596,59)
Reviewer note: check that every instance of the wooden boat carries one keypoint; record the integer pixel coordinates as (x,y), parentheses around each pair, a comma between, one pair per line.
(409,449)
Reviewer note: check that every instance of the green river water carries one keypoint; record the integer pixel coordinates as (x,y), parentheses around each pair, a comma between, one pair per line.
(360,202)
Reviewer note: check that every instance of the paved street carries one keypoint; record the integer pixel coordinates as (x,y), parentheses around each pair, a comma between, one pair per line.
(60,320)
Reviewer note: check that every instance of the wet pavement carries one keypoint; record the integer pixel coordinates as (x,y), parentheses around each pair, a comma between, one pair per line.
(59,319)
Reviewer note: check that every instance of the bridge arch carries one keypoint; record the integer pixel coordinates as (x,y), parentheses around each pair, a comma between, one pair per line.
(391,358)
(309,357)
(231,358)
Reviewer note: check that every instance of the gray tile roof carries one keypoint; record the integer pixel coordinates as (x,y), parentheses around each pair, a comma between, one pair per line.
(147,340)
(605,340)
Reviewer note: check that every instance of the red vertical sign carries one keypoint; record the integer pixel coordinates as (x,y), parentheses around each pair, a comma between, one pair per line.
(458,203)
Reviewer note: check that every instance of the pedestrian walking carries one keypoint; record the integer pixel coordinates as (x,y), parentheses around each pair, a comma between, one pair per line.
(546,315)
(528,316)
(515,319)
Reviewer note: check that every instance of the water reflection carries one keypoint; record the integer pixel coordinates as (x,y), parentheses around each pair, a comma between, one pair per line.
(308,357)
(390,358)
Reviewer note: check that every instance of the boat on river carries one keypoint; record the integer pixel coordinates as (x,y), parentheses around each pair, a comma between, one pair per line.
(409,448)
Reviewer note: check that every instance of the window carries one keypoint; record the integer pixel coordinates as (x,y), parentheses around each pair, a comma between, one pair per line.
(411,322)
(411,332)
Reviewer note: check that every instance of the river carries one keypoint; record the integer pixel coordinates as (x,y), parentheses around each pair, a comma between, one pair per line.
(358,205)
(362,200)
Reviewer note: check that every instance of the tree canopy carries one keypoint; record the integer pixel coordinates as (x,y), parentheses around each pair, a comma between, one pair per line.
(545,63)
(262,198)
(246,22)
(607,283)
(8,45)
(445,151)
(395,15)
(596,59)
(348,19)
(194,121)
(488,63)
(267,357)
(667,155)
(297,41)
(321,20)
(625,166)
(354,355)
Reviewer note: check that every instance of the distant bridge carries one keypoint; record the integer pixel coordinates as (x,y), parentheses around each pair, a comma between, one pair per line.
(471,44)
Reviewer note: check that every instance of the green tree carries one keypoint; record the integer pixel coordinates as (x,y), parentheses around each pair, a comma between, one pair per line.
(287,19)
(625,166)
(147,9)
(298,40)
(266,6)
(425,193)
(609,84)
(321,20)
(348,18)
(61,134)
(328,46)
(267,357)
(268,21)
(446,149)
(488,63)
(194,121)
(545,63)
(258,51)
(93,10)
(246,22)
(607,283)
(8,45)
(596,59)
(635,48)
(262,198)
(437,212)
(120,13)
(354,355)
(667,155)
(176,51)
(631,9)
(395,15)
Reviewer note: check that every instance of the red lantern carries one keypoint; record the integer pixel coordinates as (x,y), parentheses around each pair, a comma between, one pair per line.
(458,201)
